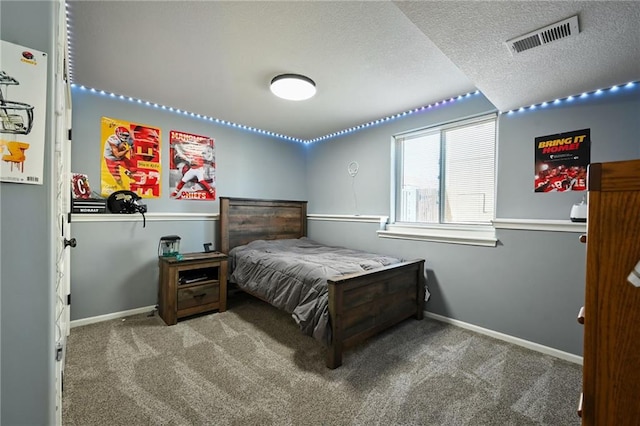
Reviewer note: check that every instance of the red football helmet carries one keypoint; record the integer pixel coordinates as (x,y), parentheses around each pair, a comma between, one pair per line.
(122,133)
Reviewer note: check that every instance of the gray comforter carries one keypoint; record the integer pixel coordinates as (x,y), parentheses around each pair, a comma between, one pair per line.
(292,275)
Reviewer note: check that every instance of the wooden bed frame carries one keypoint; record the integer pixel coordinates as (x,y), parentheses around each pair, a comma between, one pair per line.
(360,305)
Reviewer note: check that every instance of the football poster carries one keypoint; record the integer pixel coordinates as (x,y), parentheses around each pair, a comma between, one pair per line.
(561,161)
(130,158)
(23,100)
(192,168)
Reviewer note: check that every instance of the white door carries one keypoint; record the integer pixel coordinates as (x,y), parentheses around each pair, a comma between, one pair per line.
(62,194)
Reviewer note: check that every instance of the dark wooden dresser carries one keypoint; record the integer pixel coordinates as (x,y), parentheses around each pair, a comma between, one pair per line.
(611,371)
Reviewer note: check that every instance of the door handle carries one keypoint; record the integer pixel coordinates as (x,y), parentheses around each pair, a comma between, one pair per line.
(72,242)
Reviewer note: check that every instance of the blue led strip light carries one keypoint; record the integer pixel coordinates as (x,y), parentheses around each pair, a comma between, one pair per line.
(391,117)
(187,113)
(570,99)
(69,50)
(266,132)
(387,119)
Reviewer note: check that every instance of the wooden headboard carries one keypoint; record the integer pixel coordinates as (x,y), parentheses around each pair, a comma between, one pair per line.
(243,220)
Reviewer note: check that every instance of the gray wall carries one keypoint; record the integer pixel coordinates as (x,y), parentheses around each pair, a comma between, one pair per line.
(614,120)
(247,164)
(333,191)
(531,285)
(26,278)
(114,268)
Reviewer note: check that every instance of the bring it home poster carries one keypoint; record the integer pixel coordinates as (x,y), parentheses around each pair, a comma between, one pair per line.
(561,161)
(192,174)
(23,99)
(130,158)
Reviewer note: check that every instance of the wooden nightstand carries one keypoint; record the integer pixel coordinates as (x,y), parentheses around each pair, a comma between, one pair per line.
(195,284)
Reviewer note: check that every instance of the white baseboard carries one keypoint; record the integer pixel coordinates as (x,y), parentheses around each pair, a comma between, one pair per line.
(510,339)
(114,315)
(497,335)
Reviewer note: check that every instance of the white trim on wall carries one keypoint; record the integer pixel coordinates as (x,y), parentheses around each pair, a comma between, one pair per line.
(576,359)
(540,225)
(501,223)
(500,336)
(150,217)
(114,315)
(349,218)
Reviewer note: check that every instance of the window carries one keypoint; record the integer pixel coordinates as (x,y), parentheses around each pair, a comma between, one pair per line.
(445,176)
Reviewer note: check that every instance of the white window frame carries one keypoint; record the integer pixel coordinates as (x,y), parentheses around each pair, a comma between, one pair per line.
(468,234)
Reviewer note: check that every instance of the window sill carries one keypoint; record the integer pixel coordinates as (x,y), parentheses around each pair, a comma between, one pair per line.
(484,235)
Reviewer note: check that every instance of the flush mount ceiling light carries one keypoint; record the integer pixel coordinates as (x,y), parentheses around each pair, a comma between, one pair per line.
(293,87)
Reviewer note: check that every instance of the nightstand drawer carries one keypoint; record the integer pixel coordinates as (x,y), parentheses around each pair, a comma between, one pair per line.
(198,295)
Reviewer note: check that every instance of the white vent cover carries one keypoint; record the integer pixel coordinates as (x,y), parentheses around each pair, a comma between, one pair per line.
(563,29)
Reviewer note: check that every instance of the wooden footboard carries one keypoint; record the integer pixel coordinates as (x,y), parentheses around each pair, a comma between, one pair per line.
(362,305)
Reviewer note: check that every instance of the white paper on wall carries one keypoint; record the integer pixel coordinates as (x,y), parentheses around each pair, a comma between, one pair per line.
(23,101)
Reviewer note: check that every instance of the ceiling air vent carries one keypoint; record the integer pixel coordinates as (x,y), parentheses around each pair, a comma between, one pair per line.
(563,29)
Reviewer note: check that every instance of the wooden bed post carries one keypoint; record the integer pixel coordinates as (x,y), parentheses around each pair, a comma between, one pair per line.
(224,219)
(421,291)
(334,353)
(363,304)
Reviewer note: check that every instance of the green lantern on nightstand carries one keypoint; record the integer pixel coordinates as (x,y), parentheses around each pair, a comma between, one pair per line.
(169,246)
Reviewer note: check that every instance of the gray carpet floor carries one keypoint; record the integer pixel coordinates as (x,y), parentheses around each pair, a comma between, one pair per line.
(252,366)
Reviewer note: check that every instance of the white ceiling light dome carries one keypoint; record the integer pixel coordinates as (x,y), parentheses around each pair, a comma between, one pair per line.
(293,87)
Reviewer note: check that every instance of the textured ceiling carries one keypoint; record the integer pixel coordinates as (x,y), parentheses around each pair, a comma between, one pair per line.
(368,59)
(605,53)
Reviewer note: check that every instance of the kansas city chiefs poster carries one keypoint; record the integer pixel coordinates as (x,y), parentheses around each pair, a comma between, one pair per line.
(561,161)
(192,166)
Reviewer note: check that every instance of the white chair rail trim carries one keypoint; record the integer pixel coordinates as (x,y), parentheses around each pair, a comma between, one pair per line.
(501,223)
(540,225)
(137,217)
(349,218)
